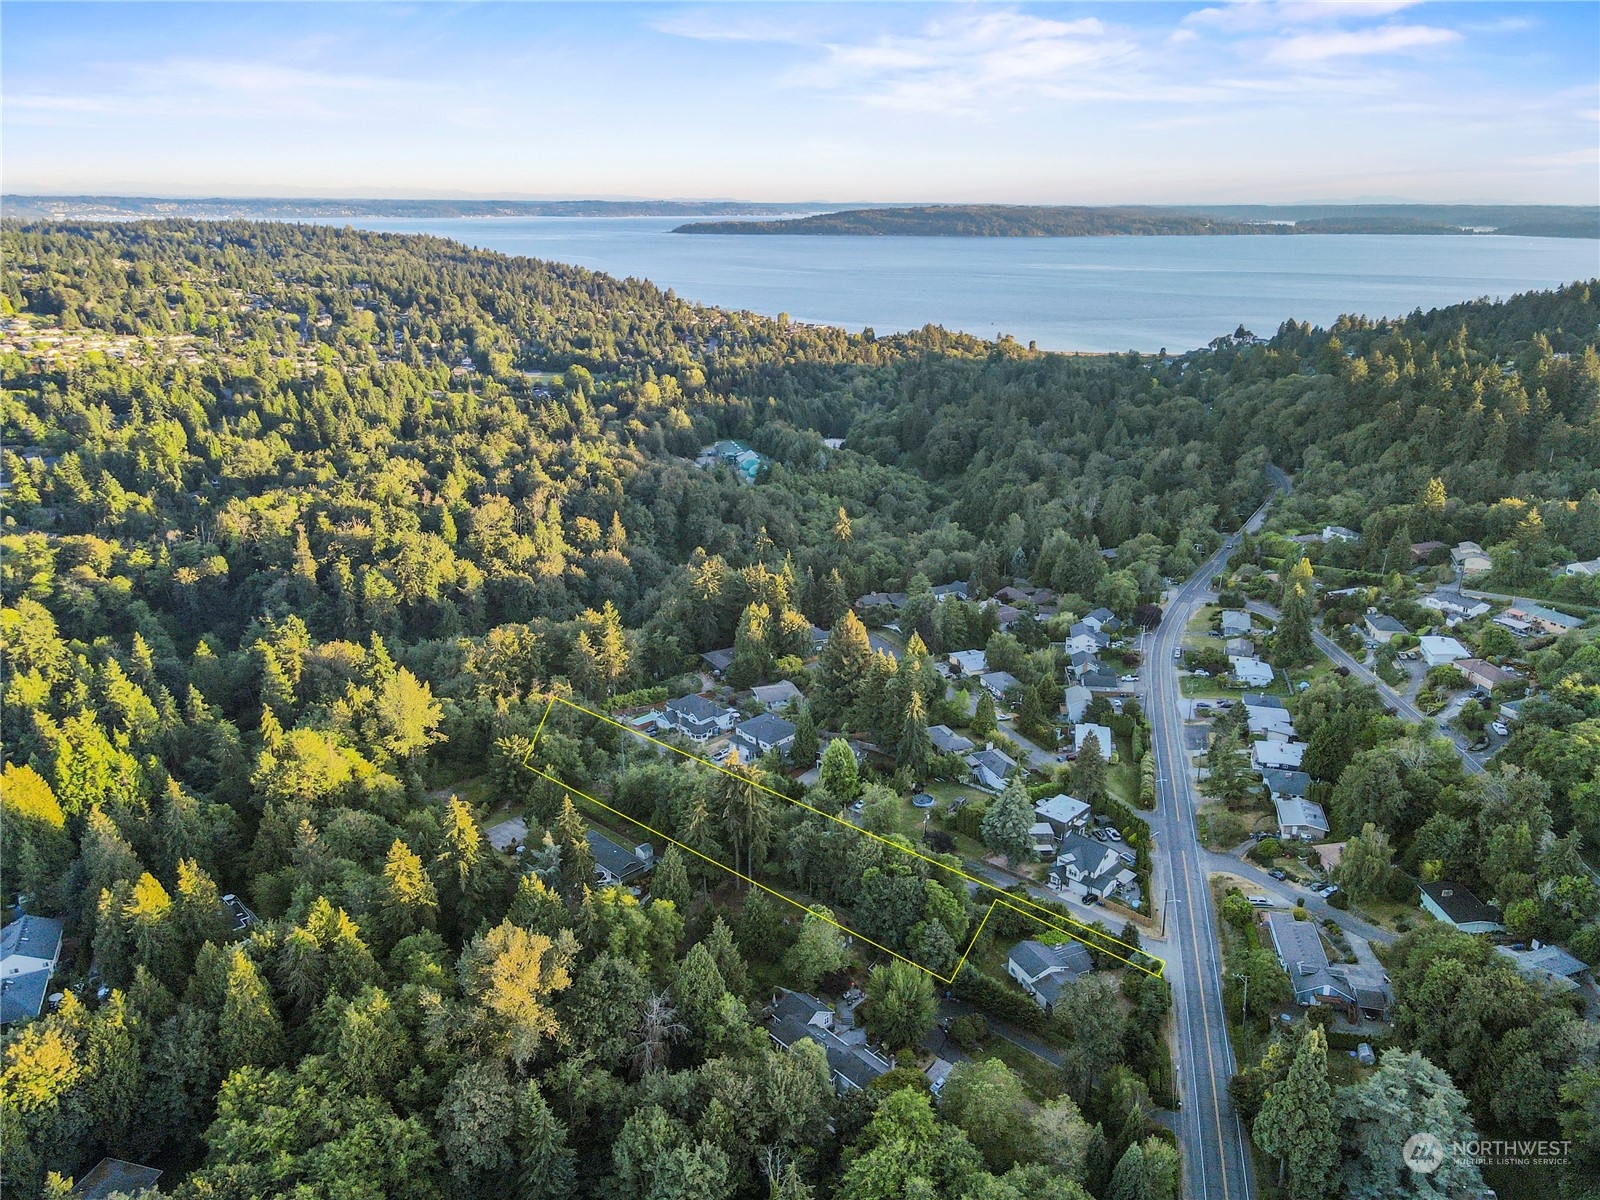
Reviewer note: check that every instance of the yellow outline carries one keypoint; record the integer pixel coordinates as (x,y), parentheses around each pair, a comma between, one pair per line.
(1002,899)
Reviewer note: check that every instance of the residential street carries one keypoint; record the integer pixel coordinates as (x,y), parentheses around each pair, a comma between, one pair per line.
(1216,1153)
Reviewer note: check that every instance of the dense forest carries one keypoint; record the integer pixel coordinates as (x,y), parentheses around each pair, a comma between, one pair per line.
(303,526)
(118,208)
(1003,220)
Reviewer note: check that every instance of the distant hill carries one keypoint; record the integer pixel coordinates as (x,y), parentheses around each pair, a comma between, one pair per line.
(998,220)
(123,208)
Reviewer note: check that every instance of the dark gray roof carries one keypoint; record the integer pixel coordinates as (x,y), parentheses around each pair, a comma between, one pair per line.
(767,728)
(1286,783)
(789,1022)
(1385,622)
(624,864)
(697,708)
(1035,958)
(959,589)
(111,1175)
(1459,904)
(37,937)
(1256,700)
(1300,951)
(720,660)
(22,996)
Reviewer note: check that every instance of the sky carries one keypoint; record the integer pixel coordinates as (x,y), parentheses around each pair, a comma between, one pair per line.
(1012,103)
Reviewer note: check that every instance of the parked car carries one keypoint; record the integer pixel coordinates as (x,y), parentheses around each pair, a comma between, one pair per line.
(1260,901)
(1202,673)
(1178,653)
(1113,835)
(1278,873)
(1130,679)
(858,806)
(1501,728)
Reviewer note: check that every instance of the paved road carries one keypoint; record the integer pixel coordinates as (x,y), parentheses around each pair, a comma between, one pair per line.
(1215,1145)
(1403,707)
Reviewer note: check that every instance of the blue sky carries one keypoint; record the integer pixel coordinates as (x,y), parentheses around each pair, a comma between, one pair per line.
(1097,103)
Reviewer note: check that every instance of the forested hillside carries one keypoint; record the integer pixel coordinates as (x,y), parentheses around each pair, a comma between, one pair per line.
(303,524)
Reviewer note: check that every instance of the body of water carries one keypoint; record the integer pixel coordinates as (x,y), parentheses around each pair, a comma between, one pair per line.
(1116,293)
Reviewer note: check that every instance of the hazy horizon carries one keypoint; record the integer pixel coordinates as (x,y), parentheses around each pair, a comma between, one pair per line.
(1084,104)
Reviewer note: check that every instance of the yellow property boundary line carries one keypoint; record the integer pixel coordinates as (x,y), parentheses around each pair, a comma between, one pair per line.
(1002,899)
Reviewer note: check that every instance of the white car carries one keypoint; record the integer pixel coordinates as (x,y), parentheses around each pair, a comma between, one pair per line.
(1501,728)
(1202,673)
(1130,679)
(1113,835)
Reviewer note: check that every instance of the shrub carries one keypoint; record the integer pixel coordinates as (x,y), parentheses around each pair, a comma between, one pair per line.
(1266,850)
(969,1031)
(1000,1000)
(1339,900)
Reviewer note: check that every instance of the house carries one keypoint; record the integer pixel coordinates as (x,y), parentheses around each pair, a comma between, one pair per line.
(947,741)
(1042,837)
(969,662)
(763,734)
(1271,721)
(1075,702)
(1550,964)
(794,1016)
(1381,627)
(1287,785)
(737,455)
(1235,623)
(1339,533)
(698,718)
(1102,619)
(1239,648)
(819,638)
(615,865)
(1453,606)
(1044,970)
(1421,552)
(30,947)
(1470,560)
(1063,813)
(1007,614)
(1442,651)
(991,768)
(938,1073)
(1090,635)
(1084,643)
(1545,620)
(1014,595)
(113,1177)
(1082,733)
(1511,710)
(894,600)
(776,695)
(1299,817)
(719,660)
(1360,989)
(1509,620)
(1084,866)
(1098,679)
(1282,756)
(1456,905)
(1485,674)
(236,914)
(1587,567)
(1082,662)
(1251,672)
(950,591)
(998,683)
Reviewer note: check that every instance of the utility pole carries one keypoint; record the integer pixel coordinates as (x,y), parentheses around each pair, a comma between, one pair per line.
(1246,1004)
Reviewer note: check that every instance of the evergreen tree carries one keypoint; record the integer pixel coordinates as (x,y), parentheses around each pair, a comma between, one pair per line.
(544,1169)
(1291,643)
(803,750)
(838,773)
(983,718)
(248,1030)
(1006,824)
(671,878)
(1297,1125)
(1089,771)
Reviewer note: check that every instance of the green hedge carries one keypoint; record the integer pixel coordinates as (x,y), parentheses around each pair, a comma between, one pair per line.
(637,699)
(999,999)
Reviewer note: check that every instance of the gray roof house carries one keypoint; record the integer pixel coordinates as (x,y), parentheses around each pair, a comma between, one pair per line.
(991,768)
(1075,702)
(1235,623)
(762,735)
(1299,948)
(1286,784)
(949,591)
(1098,679)
(1456,905)
(1084,865)
(615,865)
(998,683)
(947,741)
(719,660)
(1102,619)
(776,695)
(115,1176)
(1381,627)
(1063,812)
(1549,963)
(699,718)
(1044,971)
(969,662)
(30,947)
(795,1016)
(1299,817)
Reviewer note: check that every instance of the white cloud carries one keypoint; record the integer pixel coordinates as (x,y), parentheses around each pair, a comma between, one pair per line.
(1385,39)
(1255,15)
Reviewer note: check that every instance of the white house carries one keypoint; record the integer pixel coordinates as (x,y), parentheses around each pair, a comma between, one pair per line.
(1456,905)
(1268,718)
(1381,626)
(1080,734)
(1251,672)
(1470,560)
(1102,619)
(1075,701)
(1339,533)
(762,735)
(29,950)
(1279,756)
(699,718)
(1587,567)
(1453,606)
(1083,643)
(1300,818)
(614,864)
(1441,651)
(1085,866)
(1043,970)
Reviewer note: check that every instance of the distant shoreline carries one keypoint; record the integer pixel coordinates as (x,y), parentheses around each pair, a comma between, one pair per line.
(979,220)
